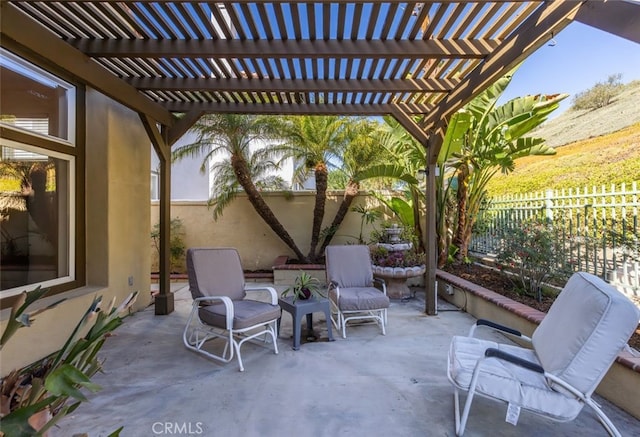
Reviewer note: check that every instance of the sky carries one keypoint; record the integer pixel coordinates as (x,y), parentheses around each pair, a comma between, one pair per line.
(581,57)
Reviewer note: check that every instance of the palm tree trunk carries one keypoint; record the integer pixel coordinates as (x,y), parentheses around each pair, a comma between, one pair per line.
(350,193)
(463,186)
(242,173)
(321,174)
(417,225)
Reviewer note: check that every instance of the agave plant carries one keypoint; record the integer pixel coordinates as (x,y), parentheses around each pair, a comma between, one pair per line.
(47,385)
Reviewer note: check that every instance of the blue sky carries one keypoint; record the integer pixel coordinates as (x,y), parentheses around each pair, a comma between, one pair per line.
(582,56)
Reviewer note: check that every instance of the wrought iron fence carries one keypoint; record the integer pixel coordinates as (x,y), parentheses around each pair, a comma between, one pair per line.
(598,228)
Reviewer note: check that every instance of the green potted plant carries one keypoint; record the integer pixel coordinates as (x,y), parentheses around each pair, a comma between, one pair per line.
(305,287)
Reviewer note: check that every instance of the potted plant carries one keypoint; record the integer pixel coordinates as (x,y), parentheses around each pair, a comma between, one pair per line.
(305,287)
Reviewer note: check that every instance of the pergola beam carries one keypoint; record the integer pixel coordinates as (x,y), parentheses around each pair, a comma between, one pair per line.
(184,123)
(410,126)
(616,17)
(310,49)
(295,85)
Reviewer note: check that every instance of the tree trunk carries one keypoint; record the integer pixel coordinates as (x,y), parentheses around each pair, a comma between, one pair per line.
(462,194)
(416,219)
(242,173)
(350,192)
(321,173)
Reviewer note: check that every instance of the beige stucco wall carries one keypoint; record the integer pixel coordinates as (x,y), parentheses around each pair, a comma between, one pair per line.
(241,227)
(117,199)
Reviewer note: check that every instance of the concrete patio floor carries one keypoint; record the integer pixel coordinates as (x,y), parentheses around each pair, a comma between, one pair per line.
(364,385)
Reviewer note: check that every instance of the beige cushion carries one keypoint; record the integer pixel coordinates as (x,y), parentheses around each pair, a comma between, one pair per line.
(585,329)
(349,266)
(247,313)
(360,299)
(215,272)
(508,382)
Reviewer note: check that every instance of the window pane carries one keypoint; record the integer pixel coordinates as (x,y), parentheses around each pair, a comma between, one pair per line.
(33,99)
(34,217)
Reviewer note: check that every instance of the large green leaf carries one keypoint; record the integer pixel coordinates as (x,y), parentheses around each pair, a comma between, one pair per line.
(16,423)
(403,210)
(482,104)
(65,380)
(388,171)
(454,137)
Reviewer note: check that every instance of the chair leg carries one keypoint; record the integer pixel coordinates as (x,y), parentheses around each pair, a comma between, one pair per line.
(604,420)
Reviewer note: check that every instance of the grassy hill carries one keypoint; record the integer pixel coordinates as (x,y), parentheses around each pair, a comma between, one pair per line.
(572,125)
(594,148)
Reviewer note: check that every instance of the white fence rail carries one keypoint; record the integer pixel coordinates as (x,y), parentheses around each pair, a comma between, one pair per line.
(597,226)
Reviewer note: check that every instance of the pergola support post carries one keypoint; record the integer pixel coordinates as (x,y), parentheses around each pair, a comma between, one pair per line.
(164,301)
(436,138)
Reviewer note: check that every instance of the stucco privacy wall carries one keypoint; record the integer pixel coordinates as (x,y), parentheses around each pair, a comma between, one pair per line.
(117,221)
(241,227)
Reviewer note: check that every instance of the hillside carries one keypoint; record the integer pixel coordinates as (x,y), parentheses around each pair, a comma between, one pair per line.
(604,160)
(571,126)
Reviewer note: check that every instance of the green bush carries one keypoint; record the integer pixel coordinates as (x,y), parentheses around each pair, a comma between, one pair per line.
(532,251)
(599,95)
(177,246)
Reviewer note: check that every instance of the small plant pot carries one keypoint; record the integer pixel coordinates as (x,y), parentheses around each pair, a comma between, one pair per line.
(305,293)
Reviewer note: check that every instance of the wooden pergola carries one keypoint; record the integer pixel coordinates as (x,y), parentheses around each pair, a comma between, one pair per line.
(173,61)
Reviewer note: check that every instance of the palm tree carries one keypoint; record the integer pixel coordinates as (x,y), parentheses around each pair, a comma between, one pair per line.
(362,156)
(482,139)
(233,134)
(312,141)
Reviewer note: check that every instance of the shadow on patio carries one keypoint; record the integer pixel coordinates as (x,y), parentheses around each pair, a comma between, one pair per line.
(365,385)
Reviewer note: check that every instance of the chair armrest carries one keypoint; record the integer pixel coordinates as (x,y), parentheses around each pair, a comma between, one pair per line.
(333,284)
(497,353)
(497,327)
(271,290)
(382,283)
(228,306)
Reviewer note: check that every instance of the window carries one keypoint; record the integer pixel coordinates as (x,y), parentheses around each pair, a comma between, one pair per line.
(37,178)
(35,100)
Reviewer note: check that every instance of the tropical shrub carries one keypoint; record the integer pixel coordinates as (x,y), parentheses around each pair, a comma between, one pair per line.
(532,251)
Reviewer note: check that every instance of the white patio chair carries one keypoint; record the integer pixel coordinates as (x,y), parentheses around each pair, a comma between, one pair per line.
(351,287)
(220,310)
(587,326)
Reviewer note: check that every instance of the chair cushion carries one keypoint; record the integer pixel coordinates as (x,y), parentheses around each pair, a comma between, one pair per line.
(247,313)
(215,272)
(349,266)
(584,330)
(506,381)
(360,299)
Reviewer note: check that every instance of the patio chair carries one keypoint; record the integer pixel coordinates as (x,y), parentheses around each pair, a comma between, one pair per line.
(586,327)
(352,293)
(220,310)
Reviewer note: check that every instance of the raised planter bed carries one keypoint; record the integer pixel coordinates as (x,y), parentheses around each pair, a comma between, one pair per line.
(621,385)
(285,274)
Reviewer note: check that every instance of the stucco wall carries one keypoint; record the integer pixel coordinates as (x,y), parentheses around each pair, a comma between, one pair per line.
(117,195)
(242,228)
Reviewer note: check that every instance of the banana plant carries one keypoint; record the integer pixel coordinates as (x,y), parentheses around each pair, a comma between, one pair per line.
(481,139)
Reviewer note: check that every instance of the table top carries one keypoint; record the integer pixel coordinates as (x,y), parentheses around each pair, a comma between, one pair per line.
(312,301)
